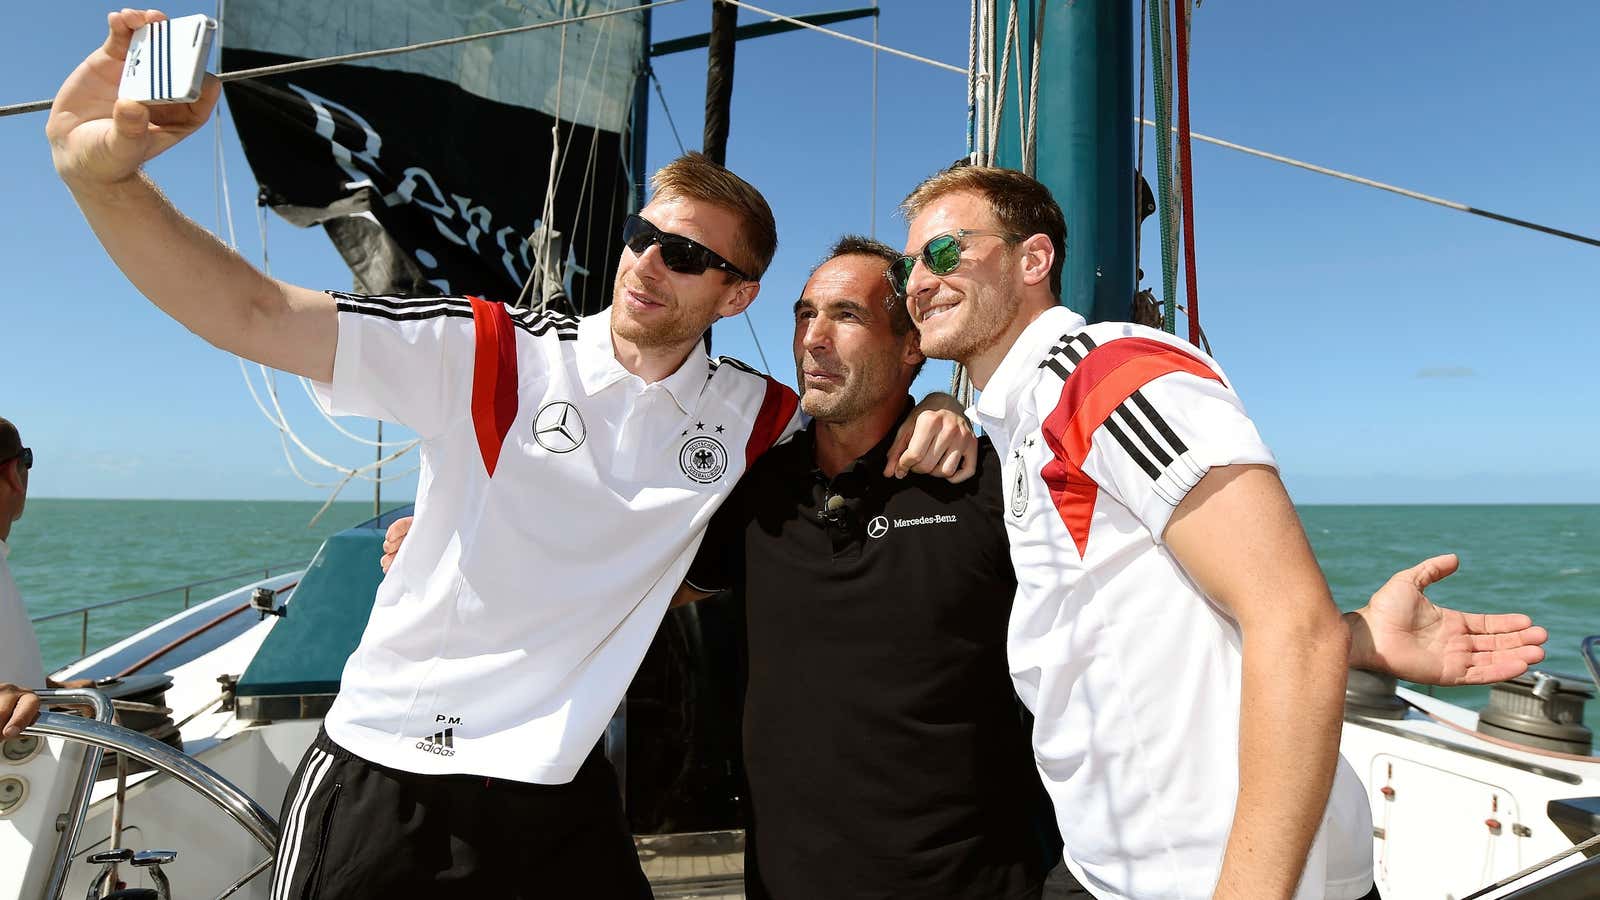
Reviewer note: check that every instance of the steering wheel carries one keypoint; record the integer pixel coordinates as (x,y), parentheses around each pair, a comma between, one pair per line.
(100,735)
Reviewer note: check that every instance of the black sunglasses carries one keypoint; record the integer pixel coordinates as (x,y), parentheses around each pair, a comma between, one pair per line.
(24,459)
(678,253)
(940,254)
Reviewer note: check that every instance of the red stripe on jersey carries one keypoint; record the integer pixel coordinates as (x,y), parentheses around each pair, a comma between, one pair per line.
(494,378)
(1106,378)
(777,408)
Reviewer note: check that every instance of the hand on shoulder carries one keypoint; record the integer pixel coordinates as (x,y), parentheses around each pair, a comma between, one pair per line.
(392,539)
(936,439)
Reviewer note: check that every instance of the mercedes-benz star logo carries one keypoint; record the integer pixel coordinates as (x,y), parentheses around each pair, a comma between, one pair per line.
(558,427)
(878,527)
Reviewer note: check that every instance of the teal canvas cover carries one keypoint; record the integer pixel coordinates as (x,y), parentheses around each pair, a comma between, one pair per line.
(304,654)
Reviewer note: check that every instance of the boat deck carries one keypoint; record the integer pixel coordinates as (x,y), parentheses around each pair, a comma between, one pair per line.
(707,864)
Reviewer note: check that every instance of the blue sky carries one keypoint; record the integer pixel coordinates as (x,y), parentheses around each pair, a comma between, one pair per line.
(1390,351)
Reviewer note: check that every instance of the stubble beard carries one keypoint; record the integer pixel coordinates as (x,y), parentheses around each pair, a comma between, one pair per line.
(980,322)
(673,332)
(835,408)
(857,397)
(651,336)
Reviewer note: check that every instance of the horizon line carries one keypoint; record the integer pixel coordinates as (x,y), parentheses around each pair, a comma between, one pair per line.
(366,502)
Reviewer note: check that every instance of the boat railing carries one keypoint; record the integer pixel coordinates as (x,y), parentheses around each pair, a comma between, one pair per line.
(83,611)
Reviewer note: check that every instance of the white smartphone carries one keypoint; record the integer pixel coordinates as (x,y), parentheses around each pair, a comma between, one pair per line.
(167,60)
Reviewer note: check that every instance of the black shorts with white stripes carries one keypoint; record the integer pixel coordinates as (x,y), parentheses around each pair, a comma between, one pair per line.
(353,829)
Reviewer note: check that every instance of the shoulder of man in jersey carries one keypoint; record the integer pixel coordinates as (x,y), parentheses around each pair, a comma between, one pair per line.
(1141,415)
(426,362)
(771,407)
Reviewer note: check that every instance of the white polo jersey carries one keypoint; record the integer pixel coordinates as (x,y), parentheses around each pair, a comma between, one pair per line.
(1132,674)
(19,649)
(560,501)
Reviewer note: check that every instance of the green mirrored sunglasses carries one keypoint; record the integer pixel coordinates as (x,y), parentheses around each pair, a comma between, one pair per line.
(941,254)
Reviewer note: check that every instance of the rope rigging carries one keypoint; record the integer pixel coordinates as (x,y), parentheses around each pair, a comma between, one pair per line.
(671,124)
(972,84)
(980,125)
(848,37)
(872,168)
(998,103)
(1186,172)
(760,351)
(545,275)
(1138,169)
(976,74)
(304,64)
(547,281)
(1030,134)
(540,275)
(1167,210)
(276,416)
(592,161)
(986,108)
(1382,186)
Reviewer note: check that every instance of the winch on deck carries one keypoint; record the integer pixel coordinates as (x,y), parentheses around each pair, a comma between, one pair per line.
(1540,709)
(1537,709)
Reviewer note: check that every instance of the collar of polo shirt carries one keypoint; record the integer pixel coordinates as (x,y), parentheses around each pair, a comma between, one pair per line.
(870,462)
(998,396)
(599,369)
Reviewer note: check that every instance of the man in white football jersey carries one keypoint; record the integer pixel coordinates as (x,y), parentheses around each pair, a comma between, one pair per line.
(569,468)
(1172,632)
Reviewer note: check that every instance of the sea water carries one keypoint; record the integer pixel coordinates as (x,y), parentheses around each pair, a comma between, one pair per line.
(1542,560)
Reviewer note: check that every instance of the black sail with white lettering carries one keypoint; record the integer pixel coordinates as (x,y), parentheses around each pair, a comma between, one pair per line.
(430,170)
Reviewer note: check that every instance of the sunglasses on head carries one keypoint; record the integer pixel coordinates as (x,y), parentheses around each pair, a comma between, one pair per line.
(678,253)
(24,459)
(940,254)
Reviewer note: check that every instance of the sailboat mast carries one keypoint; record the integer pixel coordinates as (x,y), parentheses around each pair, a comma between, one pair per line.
(638,143)
(719,88)
(1082,112)
(719,80)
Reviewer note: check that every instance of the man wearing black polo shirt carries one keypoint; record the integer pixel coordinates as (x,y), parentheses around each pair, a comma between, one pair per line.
(886,753)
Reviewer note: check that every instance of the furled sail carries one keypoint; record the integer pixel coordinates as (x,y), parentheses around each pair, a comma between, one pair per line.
(429,170)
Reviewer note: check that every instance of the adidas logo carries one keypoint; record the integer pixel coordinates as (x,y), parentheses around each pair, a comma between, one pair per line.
(439,744)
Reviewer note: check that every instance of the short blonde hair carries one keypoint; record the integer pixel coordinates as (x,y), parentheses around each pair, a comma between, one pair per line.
(1021,204)
(695,176)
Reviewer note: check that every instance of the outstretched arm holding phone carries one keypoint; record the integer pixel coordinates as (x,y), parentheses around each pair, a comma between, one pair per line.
(99,144)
